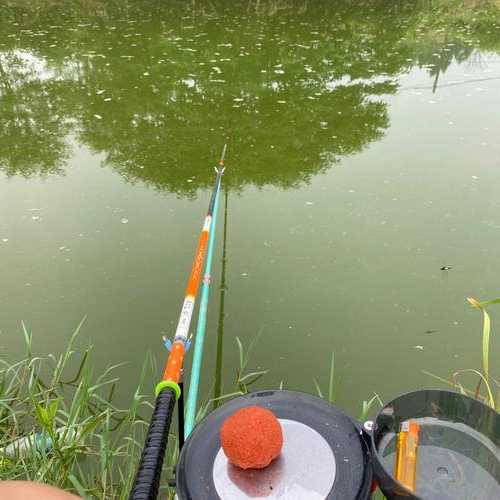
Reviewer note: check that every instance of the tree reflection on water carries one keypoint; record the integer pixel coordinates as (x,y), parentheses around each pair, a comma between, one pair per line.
(156,89)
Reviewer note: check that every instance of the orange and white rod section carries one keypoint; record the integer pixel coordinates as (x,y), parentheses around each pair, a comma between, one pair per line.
(173,367)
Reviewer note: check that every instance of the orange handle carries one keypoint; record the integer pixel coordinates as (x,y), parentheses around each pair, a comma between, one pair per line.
(173,369)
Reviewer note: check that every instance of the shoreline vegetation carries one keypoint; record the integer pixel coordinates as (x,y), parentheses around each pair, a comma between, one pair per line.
(59,425)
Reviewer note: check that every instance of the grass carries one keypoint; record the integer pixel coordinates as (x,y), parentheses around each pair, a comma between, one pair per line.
(58,424)
(486,388)
(333,383)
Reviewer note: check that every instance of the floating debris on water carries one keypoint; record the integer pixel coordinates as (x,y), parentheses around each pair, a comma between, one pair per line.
(446,268)
(419,347)
(189,82)
(124,220)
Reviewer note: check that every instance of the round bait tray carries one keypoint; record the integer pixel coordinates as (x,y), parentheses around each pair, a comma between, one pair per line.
(323,455)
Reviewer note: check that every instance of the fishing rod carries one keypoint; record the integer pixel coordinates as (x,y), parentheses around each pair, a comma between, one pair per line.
(199,337)
(167,391)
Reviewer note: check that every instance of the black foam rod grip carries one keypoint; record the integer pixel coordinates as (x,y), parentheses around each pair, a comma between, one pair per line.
(147,480)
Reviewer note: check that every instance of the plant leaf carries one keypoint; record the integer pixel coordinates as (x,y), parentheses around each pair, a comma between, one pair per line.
(473,302)
(256,374)
(486,331)
(331,385)
(318,388)
(241,353)
(491,399)
(368,404)
(78,486)
(489,302)
(486,343)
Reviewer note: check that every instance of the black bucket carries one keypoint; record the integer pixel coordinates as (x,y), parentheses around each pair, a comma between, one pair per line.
(458,451)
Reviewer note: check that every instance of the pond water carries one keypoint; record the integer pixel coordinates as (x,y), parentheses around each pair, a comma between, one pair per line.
(363,156)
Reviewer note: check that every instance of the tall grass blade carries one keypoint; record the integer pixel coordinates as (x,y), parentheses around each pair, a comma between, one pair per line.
(486,344)
(241,353)
(65,429)
(318,388)
(78,486)
(331,385)
(486,331)
(367,406)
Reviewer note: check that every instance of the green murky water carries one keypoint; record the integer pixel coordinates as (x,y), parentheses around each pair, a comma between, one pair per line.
(363,156)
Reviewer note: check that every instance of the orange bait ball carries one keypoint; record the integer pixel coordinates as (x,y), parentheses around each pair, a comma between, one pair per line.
(251,437)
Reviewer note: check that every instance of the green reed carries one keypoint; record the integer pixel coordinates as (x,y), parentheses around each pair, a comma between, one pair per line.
(487,388)
(59,425)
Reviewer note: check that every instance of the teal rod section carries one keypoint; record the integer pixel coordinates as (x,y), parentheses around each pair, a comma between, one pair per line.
(199,339)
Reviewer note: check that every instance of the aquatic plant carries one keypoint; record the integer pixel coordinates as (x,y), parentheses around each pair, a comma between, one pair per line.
(333,384)
(59,425)
(491,385)
(243,379)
